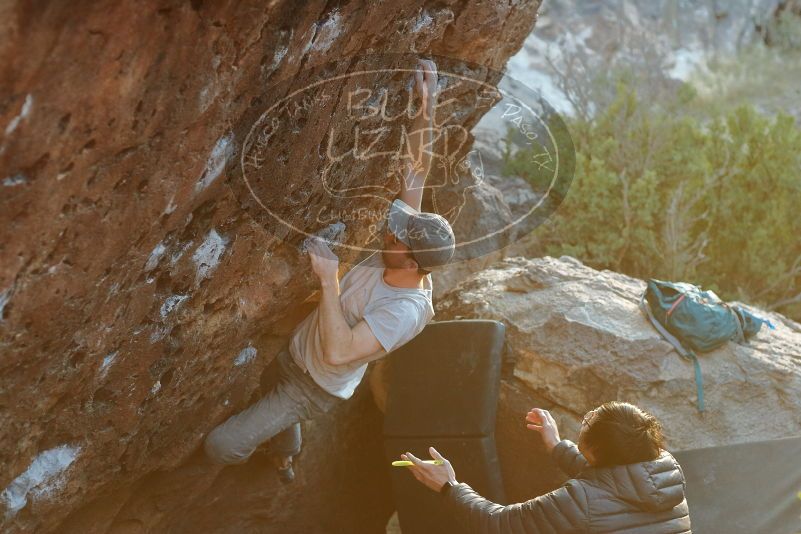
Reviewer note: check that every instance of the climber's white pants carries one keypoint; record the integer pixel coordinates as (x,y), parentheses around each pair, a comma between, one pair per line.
(277,416)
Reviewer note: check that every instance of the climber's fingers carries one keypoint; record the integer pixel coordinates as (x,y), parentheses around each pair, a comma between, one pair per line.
(317,247)
(414,459)
(428,66)
(429,75)
(535,417)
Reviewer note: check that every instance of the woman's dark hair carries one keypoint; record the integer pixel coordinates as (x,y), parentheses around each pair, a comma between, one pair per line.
(620,433)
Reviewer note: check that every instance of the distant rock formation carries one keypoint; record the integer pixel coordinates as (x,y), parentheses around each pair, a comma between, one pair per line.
(142,292)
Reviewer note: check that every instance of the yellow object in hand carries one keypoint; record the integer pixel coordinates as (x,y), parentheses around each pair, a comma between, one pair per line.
(406,463)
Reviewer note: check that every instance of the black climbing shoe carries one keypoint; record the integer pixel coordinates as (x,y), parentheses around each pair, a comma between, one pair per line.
(286,474)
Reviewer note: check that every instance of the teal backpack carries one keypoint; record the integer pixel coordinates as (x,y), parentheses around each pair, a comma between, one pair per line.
(694,320)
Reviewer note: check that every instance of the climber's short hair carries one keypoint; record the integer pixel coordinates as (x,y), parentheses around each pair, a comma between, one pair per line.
(620,433)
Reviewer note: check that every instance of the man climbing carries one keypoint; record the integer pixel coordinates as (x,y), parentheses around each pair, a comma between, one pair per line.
(379,305)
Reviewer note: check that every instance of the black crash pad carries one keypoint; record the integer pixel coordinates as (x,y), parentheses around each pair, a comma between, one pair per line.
(445,381)
(443,392)
(746,488)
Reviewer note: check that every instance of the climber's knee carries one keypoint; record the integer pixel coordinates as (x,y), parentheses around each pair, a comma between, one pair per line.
(288,441)
(221,450)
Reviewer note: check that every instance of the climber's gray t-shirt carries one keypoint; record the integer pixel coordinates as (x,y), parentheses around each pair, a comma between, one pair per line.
(395,316)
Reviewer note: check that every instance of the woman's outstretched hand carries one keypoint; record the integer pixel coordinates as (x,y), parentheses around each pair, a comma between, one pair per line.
(433,476)
(543,422)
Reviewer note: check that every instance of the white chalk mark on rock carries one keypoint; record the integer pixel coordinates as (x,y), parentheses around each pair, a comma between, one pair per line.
(17,179)
(155,256)
(207,255)
(280,53)
(327,32)
(180,252)
(423,20)
(216,162)
(41,478)
(246,355)
(156,387)
(206,96)
(171,304)
(171,205)
(307,46)
(5,296)
(106,364)
(26,110)
(159,332)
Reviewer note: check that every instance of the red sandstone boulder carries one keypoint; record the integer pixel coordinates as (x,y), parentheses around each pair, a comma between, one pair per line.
(141,290)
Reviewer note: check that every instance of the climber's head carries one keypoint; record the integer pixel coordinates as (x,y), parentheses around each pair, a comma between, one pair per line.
(415,239)
(619,433)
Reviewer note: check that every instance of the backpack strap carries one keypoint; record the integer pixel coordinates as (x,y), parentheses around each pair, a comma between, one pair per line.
(686,354)
(738,322)
(675,305)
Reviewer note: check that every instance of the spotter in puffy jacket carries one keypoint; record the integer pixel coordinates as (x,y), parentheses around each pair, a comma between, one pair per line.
(622,481)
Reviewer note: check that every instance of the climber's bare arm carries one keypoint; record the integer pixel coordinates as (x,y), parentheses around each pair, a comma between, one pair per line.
(341,344)
(414,173)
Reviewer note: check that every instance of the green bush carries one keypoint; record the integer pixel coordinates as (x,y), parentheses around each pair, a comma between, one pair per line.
(662,194)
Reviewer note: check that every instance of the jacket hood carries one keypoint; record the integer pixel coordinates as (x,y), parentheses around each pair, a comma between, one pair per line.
(652,486)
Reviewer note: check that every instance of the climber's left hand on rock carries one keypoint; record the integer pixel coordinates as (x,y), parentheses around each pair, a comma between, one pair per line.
(426,84)
(325,263)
